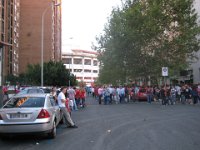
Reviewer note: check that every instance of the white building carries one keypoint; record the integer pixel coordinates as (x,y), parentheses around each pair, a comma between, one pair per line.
(83,64)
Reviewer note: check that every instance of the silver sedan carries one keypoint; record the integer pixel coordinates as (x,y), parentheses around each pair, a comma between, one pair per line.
(30,113)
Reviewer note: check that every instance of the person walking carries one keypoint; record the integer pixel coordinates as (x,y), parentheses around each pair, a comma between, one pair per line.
(100,94)
(149,94)
(163,95)
(194,94)
(183,95)
(106,96)
(77,97)
(82,97)
(173,96)
(61,103)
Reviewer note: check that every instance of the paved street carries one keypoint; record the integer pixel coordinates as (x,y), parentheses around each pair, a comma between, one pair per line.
(133,126)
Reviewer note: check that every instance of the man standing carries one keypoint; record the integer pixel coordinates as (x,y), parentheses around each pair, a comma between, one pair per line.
(71,94)
(100,94)
(61,104)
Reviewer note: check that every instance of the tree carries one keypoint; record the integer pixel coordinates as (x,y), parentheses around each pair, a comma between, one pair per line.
(55,74)
(145,35)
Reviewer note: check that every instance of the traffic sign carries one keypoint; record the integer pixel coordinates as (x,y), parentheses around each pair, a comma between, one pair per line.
(164,71)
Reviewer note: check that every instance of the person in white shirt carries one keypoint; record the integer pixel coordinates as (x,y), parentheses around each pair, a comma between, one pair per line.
(100,94)
(61,104)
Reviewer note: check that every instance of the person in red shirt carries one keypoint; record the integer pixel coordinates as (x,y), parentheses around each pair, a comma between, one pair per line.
(82,97)
(77,97)
(95,92)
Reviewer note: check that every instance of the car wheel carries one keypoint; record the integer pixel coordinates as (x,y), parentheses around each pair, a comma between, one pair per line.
(52,134)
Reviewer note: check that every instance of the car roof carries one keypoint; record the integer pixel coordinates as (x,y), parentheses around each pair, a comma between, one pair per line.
(31,88)
(32,95)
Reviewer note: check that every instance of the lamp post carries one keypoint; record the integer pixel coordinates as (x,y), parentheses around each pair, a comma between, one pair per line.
(42,42)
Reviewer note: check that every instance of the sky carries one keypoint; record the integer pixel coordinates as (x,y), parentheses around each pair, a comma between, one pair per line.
(82,20)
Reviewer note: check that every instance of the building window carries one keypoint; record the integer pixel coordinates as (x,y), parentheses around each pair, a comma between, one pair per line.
(78,70)
(79,78)
(87,78)
(95,63)
(95,71)
(87,70)
(87,62)
(77,61)
(67,60)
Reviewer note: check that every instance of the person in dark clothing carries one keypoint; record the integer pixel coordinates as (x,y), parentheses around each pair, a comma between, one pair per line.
(188,94)
(183,95)
(163,95)
(194,94)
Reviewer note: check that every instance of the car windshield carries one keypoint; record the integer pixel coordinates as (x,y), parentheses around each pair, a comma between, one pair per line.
(25,102)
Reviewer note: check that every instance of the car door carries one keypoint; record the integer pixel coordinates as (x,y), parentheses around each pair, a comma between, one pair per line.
(56,109)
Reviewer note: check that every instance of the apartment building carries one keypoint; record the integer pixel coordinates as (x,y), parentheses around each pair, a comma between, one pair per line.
(30,43)
(21,34)
(9,38)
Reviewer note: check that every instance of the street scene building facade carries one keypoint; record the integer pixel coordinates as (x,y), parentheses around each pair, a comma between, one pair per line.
(30,32)
(9,38)
(21,27)
(83,64)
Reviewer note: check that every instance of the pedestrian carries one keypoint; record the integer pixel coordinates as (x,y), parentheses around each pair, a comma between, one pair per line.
(188,96)
(77,97)
(82,97)
(198,89)
(92,92)
(183,95)
(54,94)
(100,94)
(71,94)
(173,96)
(61,103)
(121,94)
(163,95)
(111,94)
(194,94)
(106,96)
(149,94)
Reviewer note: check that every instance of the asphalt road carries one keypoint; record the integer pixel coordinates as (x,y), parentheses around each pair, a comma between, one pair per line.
(133,126)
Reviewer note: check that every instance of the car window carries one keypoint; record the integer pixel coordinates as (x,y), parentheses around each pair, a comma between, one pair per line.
(52,101)
(32,91)
(46,90)
(25,102)
(23,91)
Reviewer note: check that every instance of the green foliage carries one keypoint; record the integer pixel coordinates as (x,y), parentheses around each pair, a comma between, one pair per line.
(55,74)
(146,35)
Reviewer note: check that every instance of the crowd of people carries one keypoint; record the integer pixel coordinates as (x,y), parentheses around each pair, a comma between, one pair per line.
(166,94)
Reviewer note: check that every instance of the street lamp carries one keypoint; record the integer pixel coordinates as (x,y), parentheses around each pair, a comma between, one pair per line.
(42,42)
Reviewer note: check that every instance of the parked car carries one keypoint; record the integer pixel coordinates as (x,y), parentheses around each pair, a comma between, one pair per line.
(31,90)
(30,113)
(142,95)
(46,89)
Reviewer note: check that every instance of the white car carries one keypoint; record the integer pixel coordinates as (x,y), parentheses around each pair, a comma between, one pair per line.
(30,113)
